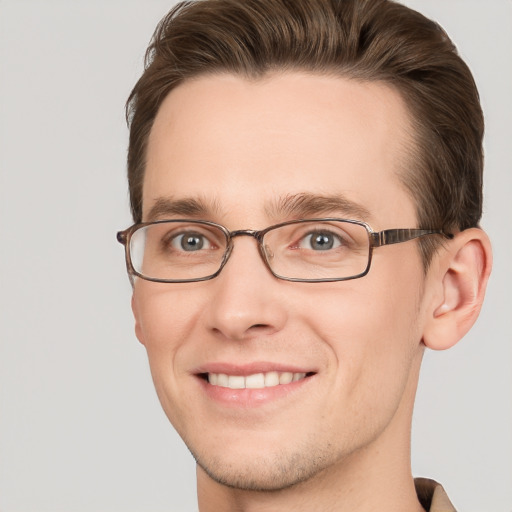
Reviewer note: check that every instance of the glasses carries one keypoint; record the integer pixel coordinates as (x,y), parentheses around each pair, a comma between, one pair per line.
(307,250)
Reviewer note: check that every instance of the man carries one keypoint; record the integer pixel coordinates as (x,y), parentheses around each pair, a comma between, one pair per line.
(305,180)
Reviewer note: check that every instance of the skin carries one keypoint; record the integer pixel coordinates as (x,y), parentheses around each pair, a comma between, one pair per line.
(340,440)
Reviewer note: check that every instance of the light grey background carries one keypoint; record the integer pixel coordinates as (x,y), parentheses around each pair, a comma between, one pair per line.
(80,426)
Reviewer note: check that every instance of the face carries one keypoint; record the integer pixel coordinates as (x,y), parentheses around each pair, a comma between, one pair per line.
(236,152)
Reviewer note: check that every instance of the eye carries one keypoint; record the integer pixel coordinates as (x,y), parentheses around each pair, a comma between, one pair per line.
(190,242)
(320,241)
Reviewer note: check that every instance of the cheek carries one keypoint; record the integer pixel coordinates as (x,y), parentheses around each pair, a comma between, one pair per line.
(373,339)
(164,317)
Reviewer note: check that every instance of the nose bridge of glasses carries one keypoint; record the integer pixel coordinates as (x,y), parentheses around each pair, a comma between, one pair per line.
(244,232)
(257,235)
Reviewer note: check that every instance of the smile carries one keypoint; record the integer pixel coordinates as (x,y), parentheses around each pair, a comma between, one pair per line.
(254,381)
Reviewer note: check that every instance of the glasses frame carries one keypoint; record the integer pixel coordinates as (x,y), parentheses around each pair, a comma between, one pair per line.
(375,239)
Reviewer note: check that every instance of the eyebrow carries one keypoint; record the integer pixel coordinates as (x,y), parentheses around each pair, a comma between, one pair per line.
(192,207)
(292,206)
(306,205)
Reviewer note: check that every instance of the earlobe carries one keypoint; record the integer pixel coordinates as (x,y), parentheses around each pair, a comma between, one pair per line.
(460,277)
(138,328)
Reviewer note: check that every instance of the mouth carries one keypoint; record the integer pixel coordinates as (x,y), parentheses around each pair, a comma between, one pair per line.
(251,385)
(254,381)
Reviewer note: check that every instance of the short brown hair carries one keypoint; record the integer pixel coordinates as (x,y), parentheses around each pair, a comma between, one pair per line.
(368,40)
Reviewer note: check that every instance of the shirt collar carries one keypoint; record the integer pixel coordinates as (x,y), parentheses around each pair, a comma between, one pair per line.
(432,496)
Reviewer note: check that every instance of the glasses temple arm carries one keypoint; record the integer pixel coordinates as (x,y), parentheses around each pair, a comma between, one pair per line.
(396,236)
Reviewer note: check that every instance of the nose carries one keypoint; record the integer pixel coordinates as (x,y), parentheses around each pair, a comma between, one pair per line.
(246,298)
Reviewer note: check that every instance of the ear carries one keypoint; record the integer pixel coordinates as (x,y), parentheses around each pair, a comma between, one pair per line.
(459,274)
(136,316)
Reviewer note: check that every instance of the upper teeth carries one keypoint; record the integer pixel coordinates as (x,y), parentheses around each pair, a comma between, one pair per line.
(255,381)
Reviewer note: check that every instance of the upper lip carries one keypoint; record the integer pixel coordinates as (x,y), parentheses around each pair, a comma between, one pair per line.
(250,368)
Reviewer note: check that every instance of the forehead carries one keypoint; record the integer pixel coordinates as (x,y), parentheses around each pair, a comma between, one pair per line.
(245,144)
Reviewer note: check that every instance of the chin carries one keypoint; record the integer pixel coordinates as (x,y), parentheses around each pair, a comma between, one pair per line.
(267,472)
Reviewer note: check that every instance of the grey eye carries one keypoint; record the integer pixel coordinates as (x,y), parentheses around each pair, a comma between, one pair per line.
(190,242)
(320,241)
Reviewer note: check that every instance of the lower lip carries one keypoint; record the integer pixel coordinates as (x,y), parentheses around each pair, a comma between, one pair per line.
(247,398)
